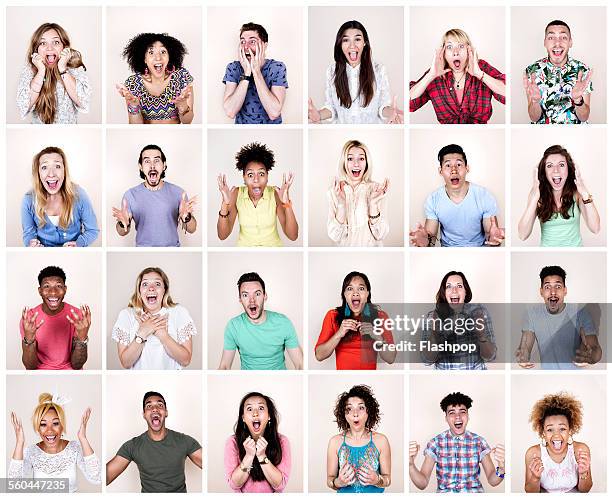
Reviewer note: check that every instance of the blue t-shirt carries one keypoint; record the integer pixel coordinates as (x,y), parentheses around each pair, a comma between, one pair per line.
(461,224)
(252,111)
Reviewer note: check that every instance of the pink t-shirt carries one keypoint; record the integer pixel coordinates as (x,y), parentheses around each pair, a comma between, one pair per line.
(232,459)
(54,338)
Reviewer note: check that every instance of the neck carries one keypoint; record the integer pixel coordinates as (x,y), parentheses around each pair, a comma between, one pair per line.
(48,311)
(458,193)
(52,198)
(261,320)
(557,458)
(154,187)
(157,435)
(50,450)
(357,435)
(353,182)
(561,64)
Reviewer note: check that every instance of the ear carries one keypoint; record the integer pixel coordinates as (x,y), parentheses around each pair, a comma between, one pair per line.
(467,168)
(571,42)
(541,291)
(265,297)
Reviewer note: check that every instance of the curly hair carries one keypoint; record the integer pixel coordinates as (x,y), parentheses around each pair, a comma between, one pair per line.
(546,205)
(134,52)
(363,392)
(455,399)
(557,404)
(254,152)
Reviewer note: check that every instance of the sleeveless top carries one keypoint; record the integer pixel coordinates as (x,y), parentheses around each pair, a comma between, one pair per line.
(559,477)
(559,231)
(257,223)
(358,457)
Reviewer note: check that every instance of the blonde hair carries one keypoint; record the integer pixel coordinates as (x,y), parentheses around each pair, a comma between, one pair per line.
(45,404)
(342,174)
(67,190)
(459,35)
(136,301)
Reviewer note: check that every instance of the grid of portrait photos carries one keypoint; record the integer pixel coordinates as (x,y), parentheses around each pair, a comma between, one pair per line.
(305,247)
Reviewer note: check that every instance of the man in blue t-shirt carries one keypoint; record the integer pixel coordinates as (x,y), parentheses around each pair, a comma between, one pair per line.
(255,87)
(156,206)
(464,212)
(261,336)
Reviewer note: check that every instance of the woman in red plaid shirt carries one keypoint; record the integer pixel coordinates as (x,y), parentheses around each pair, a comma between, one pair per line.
(459,85)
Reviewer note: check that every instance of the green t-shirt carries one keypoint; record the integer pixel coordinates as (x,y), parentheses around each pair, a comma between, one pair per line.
(261,346)
(161,464)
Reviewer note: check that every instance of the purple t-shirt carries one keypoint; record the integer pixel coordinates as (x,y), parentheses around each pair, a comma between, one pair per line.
(155,214)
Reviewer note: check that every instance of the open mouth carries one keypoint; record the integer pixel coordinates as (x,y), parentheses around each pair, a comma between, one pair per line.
(557,181)
(152,299)
(454,299)
(456,64)
(257,191)
(256,425)
(53,184)
(53,302)
(156,420)
(353,55)
(356,303)
(556,444)
(158,67)
(50,438)
(454,181)
(51,58)
(458,425)
(253,309)
(356,173)
(558,52)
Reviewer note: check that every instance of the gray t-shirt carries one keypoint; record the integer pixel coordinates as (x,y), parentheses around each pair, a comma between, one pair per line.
(161,464)
(558,335)
(155,214)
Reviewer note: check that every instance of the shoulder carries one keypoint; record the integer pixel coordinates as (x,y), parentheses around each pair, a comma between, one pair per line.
(172,187)
(331,69)
(380,439)
(536,66)
(284,441)
(274,65)
(233,66)
(179,311)
(476,437)
(579,64)
(335,441)
(434,195)
(182,75)
(133,81)
(231,444)
(331,314)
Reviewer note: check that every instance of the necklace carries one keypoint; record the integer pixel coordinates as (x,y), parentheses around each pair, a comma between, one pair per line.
(458,83)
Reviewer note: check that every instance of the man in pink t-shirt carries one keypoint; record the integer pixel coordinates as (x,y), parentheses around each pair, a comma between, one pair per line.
(54,333)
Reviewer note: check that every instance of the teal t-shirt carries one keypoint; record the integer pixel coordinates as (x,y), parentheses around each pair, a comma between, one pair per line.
(261,346)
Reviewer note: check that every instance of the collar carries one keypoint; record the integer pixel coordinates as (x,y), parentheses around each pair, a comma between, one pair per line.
(460,438)
(351,69)
(569,64)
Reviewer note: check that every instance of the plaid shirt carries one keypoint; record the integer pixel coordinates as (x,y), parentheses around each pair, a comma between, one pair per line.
(457,460)
(556,85)
(460,360)
(476,104)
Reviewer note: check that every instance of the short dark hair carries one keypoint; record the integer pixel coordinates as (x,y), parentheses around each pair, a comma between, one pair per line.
(261,31)
(251,277)
(454,399)
(254,152)
(557,22)
(552,270)
(152,394)
(51,271)
(155,148)
(365,393)
(134,52)
(451,149)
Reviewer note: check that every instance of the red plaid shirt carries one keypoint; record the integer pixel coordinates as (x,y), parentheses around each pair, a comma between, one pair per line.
(476,104)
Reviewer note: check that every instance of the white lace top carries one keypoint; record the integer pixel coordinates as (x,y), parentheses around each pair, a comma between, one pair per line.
(180,327)
(358,230)
(66,110)
(357,114)
(559,477)
(38,464)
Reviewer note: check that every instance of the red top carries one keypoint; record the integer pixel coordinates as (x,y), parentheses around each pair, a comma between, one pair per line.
(353,351)
(476,104)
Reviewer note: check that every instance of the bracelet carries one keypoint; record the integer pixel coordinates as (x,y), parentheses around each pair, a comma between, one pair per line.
(80,343)
(187,218)
(287,204)
(588,201)
(62,73)
(223,216)
(431,240)
(185,112)
(374,217)
(381,481)
(584,476)
(579,103)
(332,484)
(245,469)
(28,343)
(120,224)
(500,475)
(133,109)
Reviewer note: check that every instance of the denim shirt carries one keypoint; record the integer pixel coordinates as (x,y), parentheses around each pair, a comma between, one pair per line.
(83,229)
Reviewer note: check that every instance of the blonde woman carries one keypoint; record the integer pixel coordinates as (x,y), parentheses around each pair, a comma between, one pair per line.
(53,85)
(356,213)
(53,456)
(154,332)
(56,212)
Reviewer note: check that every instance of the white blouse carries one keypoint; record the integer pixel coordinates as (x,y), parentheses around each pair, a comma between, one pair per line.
(38,464)
(180,327)
(358,230)
(357,114)
(66,110)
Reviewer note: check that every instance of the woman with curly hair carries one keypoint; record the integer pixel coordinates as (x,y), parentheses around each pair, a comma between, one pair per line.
(357,89)
(558,198)
(359,458)
(160,89)
(56,212)
(53,85)
(257,205)
(257,457)
(558,463)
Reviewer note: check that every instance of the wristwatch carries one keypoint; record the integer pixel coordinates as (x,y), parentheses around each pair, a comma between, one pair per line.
(579,103)
(265,460)
(139,339)
(82,342)
(245,77)
(26,342)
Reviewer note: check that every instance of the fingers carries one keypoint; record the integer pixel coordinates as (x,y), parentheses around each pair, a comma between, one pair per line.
(525,81)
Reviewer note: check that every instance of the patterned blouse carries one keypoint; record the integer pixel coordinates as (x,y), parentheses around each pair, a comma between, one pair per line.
(159,107)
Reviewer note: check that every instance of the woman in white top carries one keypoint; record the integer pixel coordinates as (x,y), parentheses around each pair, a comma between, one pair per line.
(357,89)
(356,215)
(53,457)
(154,332)
(558,464)
(53,84)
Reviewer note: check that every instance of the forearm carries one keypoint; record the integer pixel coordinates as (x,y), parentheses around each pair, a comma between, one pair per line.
(273,475)
(340,214)
(528,219)
(29,355)
(290,227)
(87,448)
(186,117)
(18,451)
(585,481)
(233,103)
(192,225)
(532,485)
(78,356)
(488,349)
(178,352)
(420,86)
(225,224)
(130,354)
(325,350)
(418,478)
(495,85)
(325,114)
(430,354)
(36,87)
(268,100)
(591,217)
(135,118)
(534,109)
(70,85)
(240,477)
(583,111)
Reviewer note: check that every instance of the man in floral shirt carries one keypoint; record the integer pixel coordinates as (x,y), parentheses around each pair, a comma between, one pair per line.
(558,87)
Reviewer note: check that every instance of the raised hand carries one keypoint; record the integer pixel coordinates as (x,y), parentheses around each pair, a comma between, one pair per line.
(419,236)
(531,88)
(534,193)
(147,323)
(536,467)
(579,182)
(346,475)
(283,191)
(581,85)
(226,192)
(339,190)
(396,115)
(583,458)
(260,447)
(314,116)
(496,234)
(258,58)
(378,192)
(62,64)
(348,325)
(39,62)
(413,450)
(367,476)
(472,65)
(123,215)
(30,324)
(181,101)
(82,433)
(130,98)
(81,321)
(584,353)
(522,359)
(18,427)
(186,205)
(437,64)
(499,455)
(244,60)
(250,447)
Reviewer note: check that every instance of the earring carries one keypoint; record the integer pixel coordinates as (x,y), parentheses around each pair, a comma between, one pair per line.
(366,310)
(146,73)
(570,440)
(347,311)
(544,444)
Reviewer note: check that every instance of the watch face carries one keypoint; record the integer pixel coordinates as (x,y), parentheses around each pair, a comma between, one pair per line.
(138,339)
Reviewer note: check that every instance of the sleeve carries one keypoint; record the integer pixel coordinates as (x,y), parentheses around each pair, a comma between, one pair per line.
(191,444)
(229,340)
(278,74)
(431,450)
(23,91)
(231,459)
(383,90)
(489,205)
(585,322)
(29,225)
(527,323)
(328,329)
(87,219)
(184,77)
(430,207)
(21,468)
(291,339)
(422,99)
(335,230)
(122,330)
(83,88)
(285,465)
(185,325)
(330,89)
(126,451)
(498,75)
(483,448)
(233,71)
(89,465)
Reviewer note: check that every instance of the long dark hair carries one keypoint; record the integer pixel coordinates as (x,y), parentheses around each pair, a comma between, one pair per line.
(241,433)
(341,310)
(442,307)
(366,71)
(546,204)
